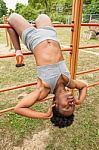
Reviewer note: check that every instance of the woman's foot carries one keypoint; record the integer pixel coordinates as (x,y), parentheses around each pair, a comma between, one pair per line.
(19,58)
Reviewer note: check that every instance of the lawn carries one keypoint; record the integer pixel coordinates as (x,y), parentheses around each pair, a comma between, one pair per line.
(20,133)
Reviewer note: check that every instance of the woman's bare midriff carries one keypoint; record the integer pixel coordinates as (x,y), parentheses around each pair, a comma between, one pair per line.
(47,52)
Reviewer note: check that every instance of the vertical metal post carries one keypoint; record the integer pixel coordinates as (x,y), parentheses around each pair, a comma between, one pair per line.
(72,29)
(8,39)
(76,20)
(6,33)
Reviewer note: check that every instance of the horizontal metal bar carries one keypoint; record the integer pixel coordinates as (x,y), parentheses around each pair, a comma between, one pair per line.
(12,108)
(83,72)
(93,84)
(47,98)
(56,25)
(90,46)
(17,87)
(28,53)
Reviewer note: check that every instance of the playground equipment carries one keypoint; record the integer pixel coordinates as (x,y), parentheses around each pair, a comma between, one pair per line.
(73,49)
(8,39)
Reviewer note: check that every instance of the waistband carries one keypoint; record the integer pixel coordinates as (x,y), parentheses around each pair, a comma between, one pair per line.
(51,65)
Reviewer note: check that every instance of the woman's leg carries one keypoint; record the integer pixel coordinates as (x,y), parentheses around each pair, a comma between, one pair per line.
(19,24)
(15,38)
(16,43)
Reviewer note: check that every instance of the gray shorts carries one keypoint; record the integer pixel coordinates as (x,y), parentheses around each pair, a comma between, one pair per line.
(50,73)
(32,36)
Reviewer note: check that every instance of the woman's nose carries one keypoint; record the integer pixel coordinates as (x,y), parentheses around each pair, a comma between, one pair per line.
(69,93)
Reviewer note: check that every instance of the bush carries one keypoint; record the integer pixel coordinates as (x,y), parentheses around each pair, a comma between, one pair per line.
(1,20)
(58,18)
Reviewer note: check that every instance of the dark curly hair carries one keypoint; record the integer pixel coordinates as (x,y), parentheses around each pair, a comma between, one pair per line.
(60,120)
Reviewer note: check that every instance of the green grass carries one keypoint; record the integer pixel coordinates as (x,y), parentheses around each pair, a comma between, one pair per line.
(82,135)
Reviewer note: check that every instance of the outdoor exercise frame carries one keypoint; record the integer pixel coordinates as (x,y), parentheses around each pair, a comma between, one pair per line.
(73,49)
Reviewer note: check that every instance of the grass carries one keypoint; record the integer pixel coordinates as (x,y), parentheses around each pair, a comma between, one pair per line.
(82,135)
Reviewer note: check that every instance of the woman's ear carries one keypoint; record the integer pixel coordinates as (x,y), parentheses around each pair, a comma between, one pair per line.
(56,104)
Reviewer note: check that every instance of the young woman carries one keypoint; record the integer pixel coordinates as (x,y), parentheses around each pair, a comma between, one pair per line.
(53,75)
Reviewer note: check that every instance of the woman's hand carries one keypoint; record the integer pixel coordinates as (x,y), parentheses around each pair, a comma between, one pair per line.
(50,112)
(72,100)
(77,102)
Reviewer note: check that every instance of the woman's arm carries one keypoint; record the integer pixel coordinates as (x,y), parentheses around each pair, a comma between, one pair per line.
(30,113)
(23,108)
(82,88)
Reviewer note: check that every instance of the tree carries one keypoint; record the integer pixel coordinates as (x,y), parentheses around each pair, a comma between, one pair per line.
(45,5)
(10,11)
(27,12)
(57,9)
(92,8)
(87,1)
(19,7)
(3,8)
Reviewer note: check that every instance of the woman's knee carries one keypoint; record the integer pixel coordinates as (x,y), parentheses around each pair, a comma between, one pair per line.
(42,20)
(42,17)
(13,17)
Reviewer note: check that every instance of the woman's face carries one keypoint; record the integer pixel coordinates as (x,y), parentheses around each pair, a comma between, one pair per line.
(66,103)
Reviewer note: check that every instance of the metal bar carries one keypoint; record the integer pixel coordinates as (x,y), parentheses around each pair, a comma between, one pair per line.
(63,49)
(93,46)
(34,83)
(63,25)
(72,32)
(89,24)
(47,98)
(13,55)
(29,53)
(6,110)
(83,72)
(76,37)
(57,25)
(12,108)
(5,26)
(93,84)
(17,87)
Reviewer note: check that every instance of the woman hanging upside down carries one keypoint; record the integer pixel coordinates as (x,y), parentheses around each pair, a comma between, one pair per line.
(52,73)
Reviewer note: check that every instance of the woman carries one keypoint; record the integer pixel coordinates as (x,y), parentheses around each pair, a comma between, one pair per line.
(53,75)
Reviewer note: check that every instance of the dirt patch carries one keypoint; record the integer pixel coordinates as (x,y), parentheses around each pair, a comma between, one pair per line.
(37,142)
(97,112)
(90,52)
(5,50)
(5,140)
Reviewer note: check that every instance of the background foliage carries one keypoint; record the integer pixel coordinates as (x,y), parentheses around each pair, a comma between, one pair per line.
(57,9)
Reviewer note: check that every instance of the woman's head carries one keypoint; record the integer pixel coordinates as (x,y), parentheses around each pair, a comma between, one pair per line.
(63,110)
(60,120)
(65,103)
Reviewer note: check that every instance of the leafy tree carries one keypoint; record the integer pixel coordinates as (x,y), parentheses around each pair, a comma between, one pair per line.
(57,9)
(3,8)
(44,5)
(10,11)
(19,7)
(92,8)
(87,1)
